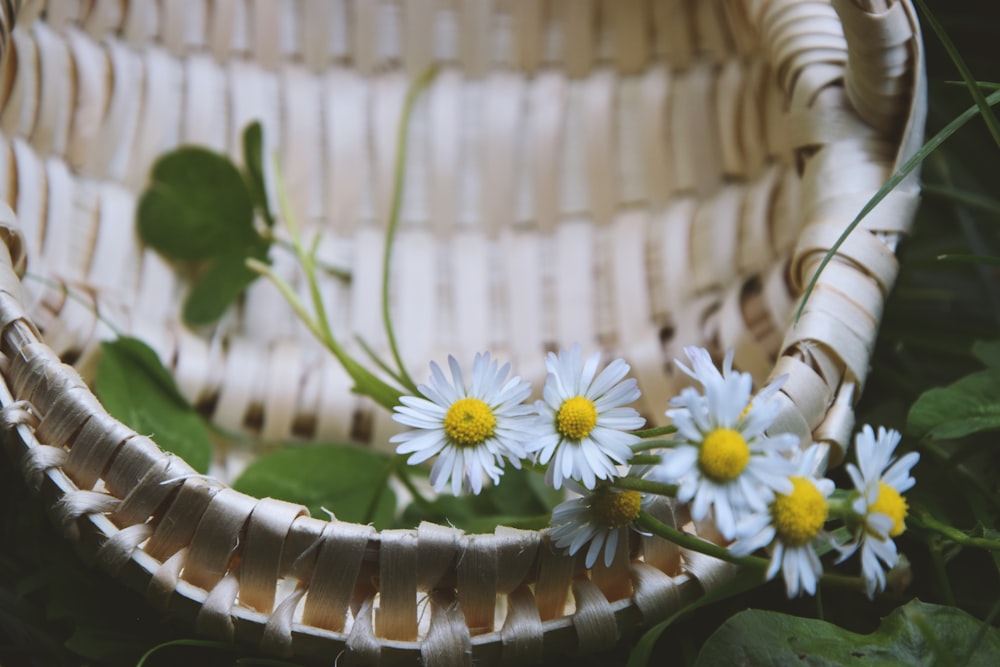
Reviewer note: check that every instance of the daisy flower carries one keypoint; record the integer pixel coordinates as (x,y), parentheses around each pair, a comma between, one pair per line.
(470,429)
(879,505)
(723,463)
(600,518)
(792,527)
(581,423)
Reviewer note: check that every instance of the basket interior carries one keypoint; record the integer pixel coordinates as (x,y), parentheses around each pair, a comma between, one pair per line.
(622,175)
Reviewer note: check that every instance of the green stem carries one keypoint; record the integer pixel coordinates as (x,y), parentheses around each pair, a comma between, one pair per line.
(692,543)
(656,432)
(338,273)
(646,460)
(402,137)
(941,571)
(646,486)
(306,259)
(839,505)
(291,297)
(927,522)
(378,362)
(648,445)
(365,382)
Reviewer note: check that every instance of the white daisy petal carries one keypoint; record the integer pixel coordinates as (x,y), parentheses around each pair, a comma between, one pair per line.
(676,463)
(500,428)
(585,442)
(879,483)
(583,521)
(611,376)
(726,415)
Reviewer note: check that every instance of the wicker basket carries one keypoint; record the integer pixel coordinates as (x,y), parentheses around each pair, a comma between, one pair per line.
(634,175)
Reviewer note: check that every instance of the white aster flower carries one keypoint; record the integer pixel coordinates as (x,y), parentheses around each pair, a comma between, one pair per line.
(792,527)
(879,505)
(724,464)
(581,423)
(471,430)
(600,518)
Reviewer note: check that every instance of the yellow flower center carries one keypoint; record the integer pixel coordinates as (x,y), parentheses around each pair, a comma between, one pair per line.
(893,505)
(576,418)
(799,516)
(614,509)
(469,422)
(723,455)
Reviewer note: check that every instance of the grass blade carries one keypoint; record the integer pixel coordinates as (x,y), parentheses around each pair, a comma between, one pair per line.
(970,259)
(970,81)
(970,199)
(932,145)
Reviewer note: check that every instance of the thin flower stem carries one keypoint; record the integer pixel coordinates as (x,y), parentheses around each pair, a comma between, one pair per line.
(290,296)
(648,445)
(378,362)
(692,543)
(306,259)
(340,274)
(941,571)
(402,137)
(646,459)
(656,432)
(646,486)
(927,522)
(839,506)
(366,383)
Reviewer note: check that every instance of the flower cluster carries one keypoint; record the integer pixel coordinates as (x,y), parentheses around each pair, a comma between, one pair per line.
(580,429)
(756,487)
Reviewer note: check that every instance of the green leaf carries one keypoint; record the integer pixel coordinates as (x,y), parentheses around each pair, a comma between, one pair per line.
(970,405)
(745,580)
(136,389)
(220,285)
(914,634)
(253,161)
(196,206)
(349,481)
(988,352)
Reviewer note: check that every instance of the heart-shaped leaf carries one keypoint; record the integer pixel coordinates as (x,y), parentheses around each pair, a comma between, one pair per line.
(196,206)
(349,481)
(136,389)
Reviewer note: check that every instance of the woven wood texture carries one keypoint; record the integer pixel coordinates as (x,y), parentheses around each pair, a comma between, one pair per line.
(633,175)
